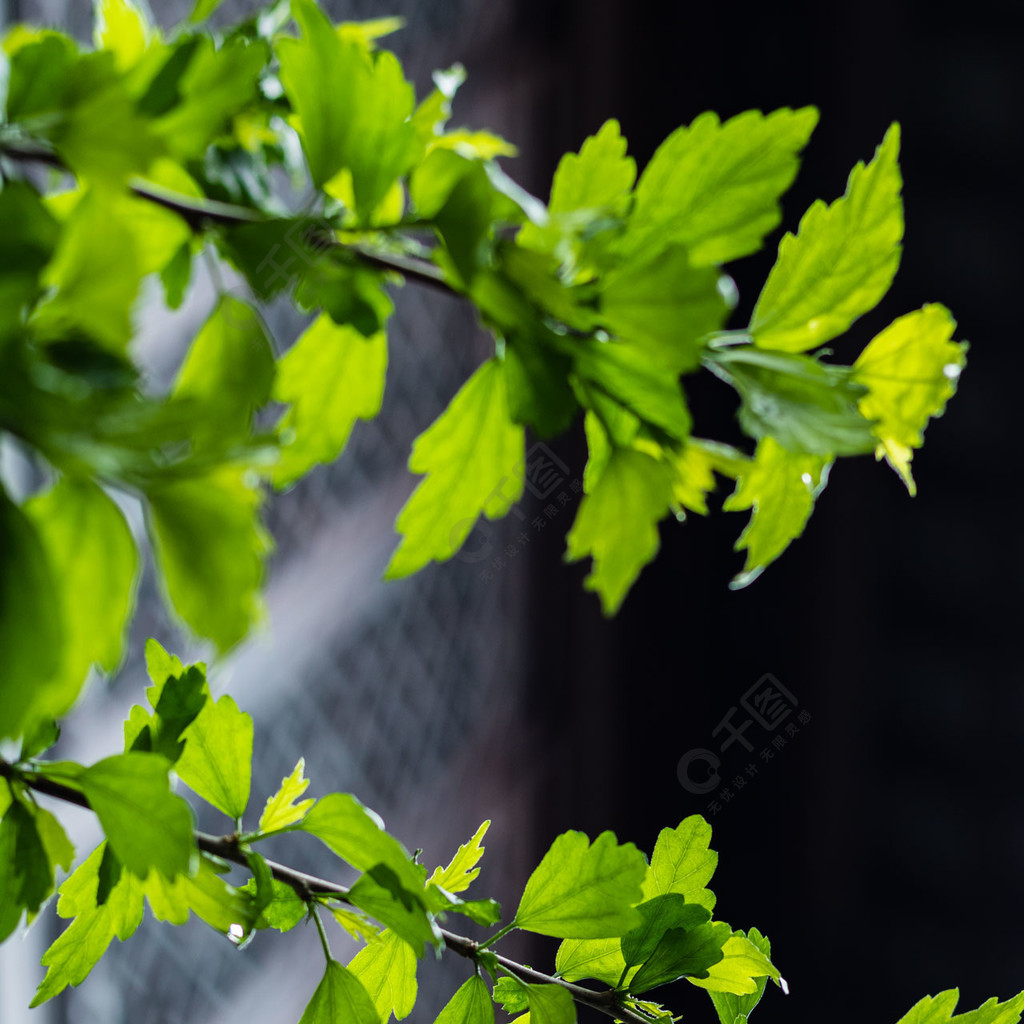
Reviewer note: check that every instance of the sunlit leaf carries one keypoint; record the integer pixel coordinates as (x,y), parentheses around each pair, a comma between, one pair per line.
(683,863)
(387,970)
(739,969)
(462,869)
(340,997)
(471,1004)
(284,808)
(217,760)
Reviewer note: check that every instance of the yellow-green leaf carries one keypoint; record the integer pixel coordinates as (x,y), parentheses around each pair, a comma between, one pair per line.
(462,869)
(217,760)
(387,970)
(284,808)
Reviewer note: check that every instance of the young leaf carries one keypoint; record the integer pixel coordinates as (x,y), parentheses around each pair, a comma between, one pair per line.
(513,995)
(617,523)
(471,1004)
(353,107)
(331,377)
(474,457)
(939,1010)
(734,1008)
(683,863)
(122,29)
(339,997)
(910,370)
(841,261)
(387,970)
(355,923)
(147,826)
(283,910)
(715,187)
(210,548)
(659,916)
(462,869)
(581,890)
(217,760)
(780,487)
(682,953)
(693,472)
(741,964)
(281,809)
(357,836)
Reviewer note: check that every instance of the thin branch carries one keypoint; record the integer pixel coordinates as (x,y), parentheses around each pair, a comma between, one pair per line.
(307,886)
(199,213)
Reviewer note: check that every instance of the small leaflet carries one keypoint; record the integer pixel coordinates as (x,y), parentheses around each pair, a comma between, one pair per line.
(910,370)
(780,488)
(735,1008)
(281,809)
(739,968)
(939,1010)
(462,869)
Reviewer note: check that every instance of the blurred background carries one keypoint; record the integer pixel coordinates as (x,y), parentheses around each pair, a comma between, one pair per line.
(875,832)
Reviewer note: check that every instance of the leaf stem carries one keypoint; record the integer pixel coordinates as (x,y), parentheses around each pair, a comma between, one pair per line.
(499,934)
(315,913)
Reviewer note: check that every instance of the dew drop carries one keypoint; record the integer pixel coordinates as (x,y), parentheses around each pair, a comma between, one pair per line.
(807,478)
(235,933)
(783,985)
(951,371)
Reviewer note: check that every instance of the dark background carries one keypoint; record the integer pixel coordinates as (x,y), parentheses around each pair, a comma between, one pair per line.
(882,848)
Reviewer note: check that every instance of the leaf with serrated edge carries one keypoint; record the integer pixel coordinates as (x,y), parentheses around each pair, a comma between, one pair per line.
(281,809)
(741,965)
(600,959)
(387,970)
(734,1008)
(617,523)
(839,264)
(682,952)
(551,1004)
(683,863)
(217,760)
(715,187)
(462,869)
(331,377)
(471,1004)
(939,1010)
(780,487)
(910,370)
(581,890)
(474,456)
(340,997)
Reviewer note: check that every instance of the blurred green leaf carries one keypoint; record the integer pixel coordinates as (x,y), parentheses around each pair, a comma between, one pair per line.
(474,456)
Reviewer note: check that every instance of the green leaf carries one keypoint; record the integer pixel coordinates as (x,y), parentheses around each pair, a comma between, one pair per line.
(581,890)
(805,405)
(462,869)
(283,911)
(683,863)
(227,373)
(281,809)
(841,261)
(682,953)
(471,1004)
(513,995)
(331,377)
(121,28)
(147,826)
(80,946)
(31,880)
(473,455)
(10,883)
(551,1004)
(780,487)
(715,187)
(31,641)
(939,1010)
(353,107)
(910,370)
(210,548)
(355,923)
(93,287)
(176,703)
(380,892)
(85,535)
(160,665)
(741,964)
(659,915)
(600,959)
(203,9)
(617,523)
(665,305)
(339,997)
(599,176)
(387,970)
(30,233)
(217,761)
(693,467)
(735,1008)
(357,836)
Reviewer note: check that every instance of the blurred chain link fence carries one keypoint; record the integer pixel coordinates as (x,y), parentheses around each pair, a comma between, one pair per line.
(404,693)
